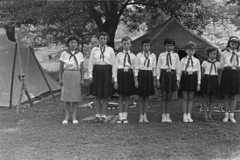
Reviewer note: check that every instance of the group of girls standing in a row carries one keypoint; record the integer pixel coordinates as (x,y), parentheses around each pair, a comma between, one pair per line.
(138,74)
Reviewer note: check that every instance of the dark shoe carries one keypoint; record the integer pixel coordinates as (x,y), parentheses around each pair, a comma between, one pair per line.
(206,119)
(210,119)
(96,119)
(104,120)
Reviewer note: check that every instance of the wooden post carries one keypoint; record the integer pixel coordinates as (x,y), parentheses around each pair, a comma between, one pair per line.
(13,71)
(21,92)
(39,66)
(26,91)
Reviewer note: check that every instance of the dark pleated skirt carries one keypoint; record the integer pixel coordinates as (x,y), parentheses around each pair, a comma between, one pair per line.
(168,80)
(210,85)
(102,85)
(189,82)
(146,86)
(230,81)
(125,80)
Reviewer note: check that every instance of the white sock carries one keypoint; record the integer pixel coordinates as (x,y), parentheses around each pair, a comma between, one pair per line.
(125,114)
(121,116)
(98,115)
(104,116)
(144,115)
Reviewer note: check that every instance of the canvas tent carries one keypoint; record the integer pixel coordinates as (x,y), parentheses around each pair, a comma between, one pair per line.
(26,63)
(171,28)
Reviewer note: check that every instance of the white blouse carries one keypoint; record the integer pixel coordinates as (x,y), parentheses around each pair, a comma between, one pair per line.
(101,56)
(119,62)
(193,66)
(207,66)
(226,56)
(147,62)
(69,61)
(174,63)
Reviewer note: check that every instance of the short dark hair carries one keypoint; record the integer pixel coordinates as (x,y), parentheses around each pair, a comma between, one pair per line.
(233,39)
(169,41)
(103,34)
(213,49)
(72,37)
(146,40)
(126,39)
(191,45)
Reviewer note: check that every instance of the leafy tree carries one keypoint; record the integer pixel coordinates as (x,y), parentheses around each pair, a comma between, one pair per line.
(61,18)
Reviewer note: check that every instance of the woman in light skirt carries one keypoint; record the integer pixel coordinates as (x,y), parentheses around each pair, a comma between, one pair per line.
(71,76)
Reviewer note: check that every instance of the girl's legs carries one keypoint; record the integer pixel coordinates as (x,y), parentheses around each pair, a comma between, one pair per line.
(140,103)
(164,104)
(145,104)
(67,109)
(190,103)
(97,103)
(104,109)
(184,105)
(74,107)
(212,100)
(120,105)
(232,108)
(168,106)
(226,105)
(205,106)
(126,106)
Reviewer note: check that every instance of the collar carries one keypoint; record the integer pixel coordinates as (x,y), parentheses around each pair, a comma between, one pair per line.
(103,46)
(127,51)
(169,52)
(230,50)
(211,60)
(189,57)
(146,53)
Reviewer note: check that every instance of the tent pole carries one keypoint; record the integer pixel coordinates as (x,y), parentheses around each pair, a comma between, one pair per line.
(39,66)
(13,71)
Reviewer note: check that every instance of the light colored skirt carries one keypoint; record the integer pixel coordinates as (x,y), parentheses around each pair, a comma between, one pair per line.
(71,89)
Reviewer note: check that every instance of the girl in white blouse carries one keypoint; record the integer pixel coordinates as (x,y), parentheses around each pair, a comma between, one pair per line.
(145,77)
(210,85)
(71,75)
(230,81)
(190,79)
(124,78)
(168,75)
(101,74)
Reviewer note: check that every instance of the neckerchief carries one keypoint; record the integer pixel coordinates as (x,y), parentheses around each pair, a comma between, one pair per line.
(234,54)
(212,65)
(125,57)
(102,49)
(189,59)
(169,59)
(73,55)
(147,60)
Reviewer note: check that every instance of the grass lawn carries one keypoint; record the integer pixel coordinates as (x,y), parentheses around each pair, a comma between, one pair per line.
(37,134)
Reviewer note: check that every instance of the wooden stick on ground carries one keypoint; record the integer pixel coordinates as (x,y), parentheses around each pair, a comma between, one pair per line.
(21,92)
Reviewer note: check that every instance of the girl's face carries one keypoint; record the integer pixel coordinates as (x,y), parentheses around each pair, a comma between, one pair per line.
(73,44)
(233,45)
(190,51)
(146,47)
(102,40)
(126,45)
(169,47)
(213,55)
